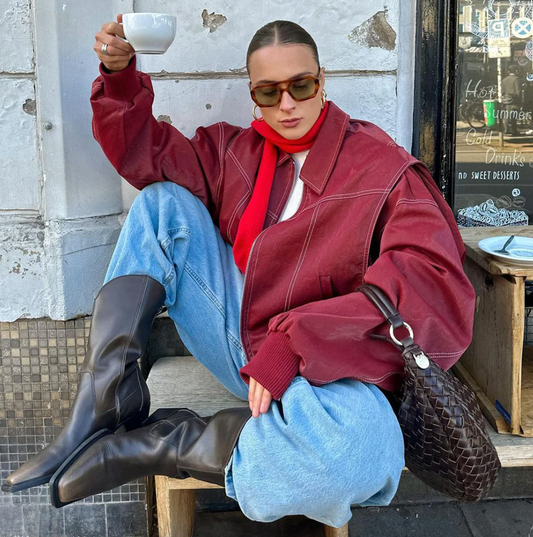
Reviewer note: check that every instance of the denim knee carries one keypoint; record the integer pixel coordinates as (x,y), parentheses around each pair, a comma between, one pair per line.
(169,204)
(155,191)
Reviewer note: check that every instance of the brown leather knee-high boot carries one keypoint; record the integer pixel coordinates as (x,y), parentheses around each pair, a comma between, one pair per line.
(111,391)
(173,442)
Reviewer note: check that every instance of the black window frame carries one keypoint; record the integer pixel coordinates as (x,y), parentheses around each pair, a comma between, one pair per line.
(434,108)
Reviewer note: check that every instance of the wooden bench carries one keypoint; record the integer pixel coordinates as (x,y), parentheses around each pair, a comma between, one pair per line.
(182,381)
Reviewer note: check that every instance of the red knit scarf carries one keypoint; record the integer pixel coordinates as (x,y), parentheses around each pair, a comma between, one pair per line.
(253,219)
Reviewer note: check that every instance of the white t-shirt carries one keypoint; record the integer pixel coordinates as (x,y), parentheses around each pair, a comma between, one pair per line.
(295,197)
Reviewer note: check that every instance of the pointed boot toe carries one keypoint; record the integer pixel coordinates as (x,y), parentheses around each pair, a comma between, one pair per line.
(40,469)
(94,471)
(73,482)
(29,477)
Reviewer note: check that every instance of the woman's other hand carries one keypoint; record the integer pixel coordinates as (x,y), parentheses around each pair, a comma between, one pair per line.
(119,52)
(258,397)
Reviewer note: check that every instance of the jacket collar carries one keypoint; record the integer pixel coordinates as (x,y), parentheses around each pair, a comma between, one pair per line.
(319,163)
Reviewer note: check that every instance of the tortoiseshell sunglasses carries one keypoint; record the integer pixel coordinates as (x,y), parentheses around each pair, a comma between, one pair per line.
(300,89)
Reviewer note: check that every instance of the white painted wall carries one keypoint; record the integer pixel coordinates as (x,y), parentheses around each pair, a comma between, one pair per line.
(61,202)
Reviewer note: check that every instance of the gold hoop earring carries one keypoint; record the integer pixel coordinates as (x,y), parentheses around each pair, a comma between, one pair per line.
(323,98)
(255,117)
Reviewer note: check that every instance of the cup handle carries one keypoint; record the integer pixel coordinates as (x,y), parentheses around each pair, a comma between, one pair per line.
(122,38)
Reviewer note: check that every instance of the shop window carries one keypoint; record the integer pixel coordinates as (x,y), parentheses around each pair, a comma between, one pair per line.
(493,150)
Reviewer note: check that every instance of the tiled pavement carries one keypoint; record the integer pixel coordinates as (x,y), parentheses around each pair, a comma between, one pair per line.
(496,518)
(506,518)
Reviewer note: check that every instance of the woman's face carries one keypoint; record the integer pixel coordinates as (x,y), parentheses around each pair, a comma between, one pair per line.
(277,63)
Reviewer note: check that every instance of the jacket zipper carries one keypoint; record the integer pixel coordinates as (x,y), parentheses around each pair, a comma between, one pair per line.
(243,295)
(241,325)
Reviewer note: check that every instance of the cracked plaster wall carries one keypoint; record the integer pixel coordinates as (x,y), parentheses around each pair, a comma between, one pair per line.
(22,276)
(59,218)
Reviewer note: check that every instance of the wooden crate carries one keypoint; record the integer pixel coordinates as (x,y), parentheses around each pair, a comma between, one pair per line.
(496,365)
(176,507)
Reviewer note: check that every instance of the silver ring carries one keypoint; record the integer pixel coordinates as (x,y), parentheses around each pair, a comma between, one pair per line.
(395,339)
(104,50)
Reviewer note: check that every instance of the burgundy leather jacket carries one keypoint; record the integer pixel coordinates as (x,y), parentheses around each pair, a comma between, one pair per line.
(370,213)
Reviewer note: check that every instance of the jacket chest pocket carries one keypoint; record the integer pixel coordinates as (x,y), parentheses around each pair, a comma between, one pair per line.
(326,286)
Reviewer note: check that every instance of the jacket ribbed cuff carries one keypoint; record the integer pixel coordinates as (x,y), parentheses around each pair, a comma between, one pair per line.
(121,85)
(274,366)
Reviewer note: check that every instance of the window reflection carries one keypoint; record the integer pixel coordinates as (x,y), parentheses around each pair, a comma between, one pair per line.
(494,129)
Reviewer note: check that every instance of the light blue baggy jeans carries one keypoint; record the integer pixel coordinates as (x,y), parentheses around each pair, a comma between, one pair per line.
(318,450)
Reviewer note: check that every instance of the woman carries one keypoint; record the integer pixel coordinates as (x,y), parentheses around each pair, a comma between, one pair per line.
(255,240)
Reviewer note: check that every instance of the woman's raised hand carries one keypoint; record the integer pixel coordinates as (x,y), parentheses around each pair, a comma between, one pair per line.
(119,53)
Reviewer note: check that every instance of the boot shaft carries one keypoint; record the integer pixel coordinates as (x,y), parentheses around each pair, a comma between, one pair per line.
(123,314)
(206,457)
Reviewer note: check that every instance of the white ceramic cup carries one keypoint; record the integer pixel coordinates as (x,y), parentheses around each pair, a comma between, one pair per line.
(149,33)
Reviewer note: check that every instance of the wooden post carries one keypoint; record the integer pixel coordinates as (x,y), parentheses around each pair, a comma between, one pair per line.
(494,358)
(176,509)
(330,531)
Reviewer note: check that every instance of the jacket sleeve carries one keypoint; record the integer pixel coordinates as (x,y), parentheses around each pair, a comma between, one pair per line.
(144,150)
(419,267)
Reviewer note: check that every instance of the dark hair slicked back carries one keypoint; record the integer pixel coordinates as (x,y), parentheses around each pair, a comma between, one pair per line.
(281,33)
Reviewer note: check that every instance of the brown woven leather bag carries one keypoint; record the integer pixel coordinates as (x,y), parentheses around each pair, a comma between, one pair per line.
(446,443)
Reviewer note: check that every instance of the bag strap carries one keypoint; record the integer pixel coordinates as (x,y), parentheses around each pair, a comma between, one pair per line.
(392,316)
(378,297)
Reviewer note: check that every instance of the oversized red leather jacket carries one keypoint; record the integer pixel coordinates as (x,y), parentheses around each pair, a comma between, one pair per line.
(370,213)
